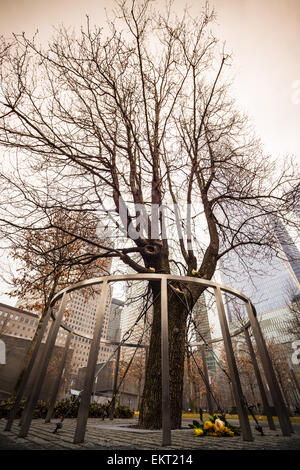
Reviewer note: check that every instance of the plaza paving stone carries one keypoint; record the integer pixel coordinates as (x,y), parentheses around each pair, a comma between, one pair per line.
(120,435)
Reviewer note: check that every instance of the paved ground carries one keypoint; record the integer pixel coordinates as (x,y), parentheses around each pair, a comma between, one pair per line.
(119,435)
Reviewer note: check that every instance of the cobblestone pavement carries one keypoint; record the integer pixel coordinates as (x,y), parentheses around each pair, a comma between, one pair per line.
(119,435)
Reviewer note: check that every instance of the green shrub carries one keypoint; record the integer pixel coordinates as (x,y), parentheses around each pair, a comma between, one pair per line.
(39,412)
(41,409)
(6,406)
(63,408)
(123,411)
(98,411)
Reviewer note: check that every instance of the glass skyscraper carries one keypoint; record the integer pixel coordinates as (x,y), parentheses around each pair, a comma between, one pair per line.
(272,284)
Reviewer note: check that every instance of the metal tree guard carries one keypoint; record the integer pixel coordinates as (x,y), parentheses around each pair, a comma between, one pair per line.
(38,366)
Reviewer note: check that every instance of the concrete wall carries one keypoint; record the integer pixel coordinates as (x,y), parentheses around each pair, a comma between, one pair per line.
(16,349)
(128,394)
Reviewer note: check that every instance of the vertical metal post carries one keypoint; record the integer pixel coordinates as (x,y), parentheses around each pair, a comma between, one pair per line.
(115,385)
(205,371)
(236,384)
(36,373)
(58,379)
(276,394)
(165,370)
(259,381)
(83,411)
(27,373)
(41,370)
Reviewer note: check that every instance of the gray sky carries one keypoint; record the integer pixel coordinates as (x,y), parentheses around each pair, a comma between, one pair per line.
(263,36)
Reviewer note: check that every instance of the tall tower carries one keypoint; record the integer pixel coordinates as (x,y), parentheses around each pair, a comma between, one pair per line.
(203,329)
(135,305)
(272,287)
(271,281)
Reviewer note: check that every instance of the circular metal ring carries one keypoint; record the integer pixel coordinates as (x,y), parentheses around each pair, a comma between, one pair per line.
(147,277)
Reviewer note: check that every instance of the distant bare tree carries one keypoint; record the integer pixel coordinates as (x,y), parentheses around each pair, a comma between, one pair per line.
(48,261)
(282,370)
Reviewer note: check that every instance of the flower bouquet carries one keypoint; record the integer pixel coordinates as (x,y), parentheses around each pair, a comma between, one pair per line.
(216,425)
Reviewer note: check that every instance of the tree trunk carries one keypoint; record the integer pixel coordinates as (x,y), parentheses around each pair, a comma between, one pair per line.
(151,412)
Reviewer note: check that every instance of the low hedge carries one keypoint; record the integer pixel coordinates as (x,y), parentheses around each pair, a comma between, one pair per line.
(63,408)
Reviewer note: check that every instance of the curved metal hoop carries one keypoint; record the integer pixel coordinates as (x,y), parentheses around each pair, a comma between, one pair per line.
(143,277)
(147,277)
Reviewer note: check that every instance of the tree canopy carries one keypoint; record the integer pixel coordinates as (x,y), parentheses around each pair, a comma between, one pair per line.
(137,117)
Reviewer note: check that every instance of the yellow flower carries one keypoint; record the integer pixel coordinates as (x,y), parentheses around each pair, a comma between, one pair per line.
(211,432)
(228,432)
(198,431)
(219,424)
(208,425)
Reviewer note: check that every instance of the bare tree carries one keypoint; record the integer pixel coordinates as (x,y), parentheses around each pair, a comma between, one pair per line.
(279,359)
(132,375)
(136,119)
(48,262)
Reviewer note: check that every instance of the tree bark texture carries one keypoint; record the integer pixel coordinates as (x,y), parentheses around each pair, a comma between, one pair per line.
(151,409)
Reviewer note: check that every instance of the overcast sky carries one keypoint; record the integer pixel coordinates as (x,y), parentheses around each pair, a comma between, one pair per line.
(263,36)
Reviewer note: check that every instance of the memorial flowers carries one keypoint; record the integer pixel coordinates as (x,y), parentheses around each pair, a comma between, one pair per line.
(198,431)
(215,425)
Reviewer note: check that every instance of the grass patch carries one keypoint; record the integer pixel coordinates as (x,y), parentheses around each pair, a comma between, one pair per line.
(294,419)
